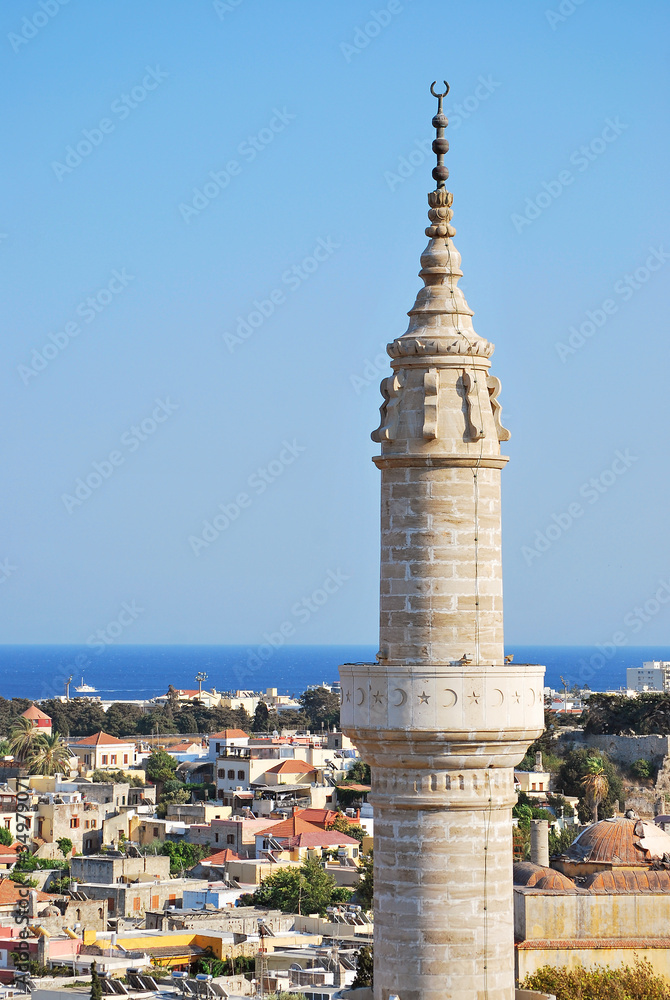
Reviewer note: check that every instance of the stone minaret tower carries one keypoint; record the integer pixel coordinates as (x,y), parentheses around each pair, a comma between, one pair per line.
(441,717)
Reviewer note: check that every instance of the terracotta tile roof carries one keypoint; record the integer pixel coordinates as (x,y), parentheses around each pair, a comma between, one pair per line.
(34,713)
(319,817)
(622,842)
(291,767)
(182,747)
(321,838)
(291,827)
(101,739)
(229,734)
(221,858)
(9,893)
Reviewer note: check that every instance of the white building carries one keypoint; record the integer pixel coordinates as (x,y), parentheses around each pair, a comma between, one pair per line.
(653,675)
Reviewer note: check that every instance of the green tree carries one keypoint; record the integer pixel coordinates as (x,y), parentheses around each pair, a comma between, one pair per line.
(96,988)
(22,738)
(321,706)
(642,769)
(121,719)
(595,784)
(183,856)
(49,755)
(308,889)
(64,845)
(365,967)
(359,772)
(6,837)
(569,781)
(636,982)
(5,749)
(261,716)
(342,825)
(160,767)
(77,717)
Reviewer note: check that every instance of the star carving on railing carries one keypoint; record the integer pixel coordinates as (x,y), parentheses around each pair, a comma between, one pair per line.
(517,697)
(424,698)
(347,695)
(474,697)
(377,696)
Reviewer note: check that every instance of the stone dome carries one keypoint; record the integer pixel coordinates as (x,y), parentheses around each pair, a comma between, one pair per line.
(532,876)
(623,842)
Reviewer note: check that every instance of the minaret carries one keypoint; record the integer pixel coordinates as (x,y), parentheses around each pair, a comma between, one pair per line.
(441,717)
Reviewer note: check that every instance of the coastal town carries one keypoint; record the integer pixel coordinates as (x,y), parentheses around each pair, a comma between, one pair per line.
(238,861)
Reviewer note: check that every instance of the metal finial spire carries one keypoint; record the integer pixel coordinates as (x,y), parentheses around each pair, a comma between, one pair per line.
(440,144)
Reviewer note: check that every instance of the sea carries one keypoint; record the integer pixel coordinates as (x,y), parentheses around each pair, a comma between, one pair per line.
(136,673)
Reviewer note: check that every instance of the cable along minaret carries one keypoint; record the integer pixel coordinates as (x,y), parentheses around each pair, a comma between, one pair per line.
(441,717)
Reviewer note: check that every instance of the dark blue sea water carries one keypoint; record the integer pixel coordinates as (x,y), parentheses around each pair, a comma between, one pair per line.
(136,672)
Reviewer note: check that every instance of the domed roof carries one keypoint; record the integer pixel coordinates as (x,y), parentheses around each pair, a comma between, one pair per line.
(620,842)
(538,877)
(620,880)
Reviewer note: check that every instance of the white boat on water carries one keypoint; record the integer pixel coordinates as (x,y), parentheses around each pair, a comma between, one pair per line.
(85,688)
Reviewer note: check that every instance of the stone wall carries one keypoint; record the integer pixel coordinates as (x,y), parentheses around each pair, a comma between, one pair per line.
(621,749)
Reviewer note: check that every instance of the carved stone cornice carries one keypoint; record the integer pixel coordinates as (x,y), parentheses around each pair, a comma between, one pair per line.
(450,716)
(449,343)
(417,461)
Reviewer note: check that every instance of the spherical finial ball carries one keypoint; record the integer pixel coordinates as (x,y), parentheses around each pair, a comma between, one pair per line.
(440,145)
(440,173)
(440,121)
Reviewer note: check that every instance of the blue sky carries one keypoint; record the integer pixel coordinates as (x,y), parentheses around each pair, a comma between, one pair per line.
(212,217)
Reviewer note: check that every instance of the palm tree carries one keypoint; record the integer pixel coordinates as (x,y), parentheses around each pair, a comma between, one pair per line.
(22,738)
(49,755)
(595,784)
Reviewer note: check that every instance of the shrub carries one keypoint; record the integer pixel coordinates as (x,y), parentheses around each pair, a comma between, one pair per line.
(642,769)
(638,982)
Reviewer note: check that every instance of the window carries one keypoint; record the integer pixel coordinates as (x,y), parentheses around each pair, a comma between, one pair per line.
(86,824)
(87,758)
(542,786)
(222,773)
(111,904)
(104,758)
(240,775)
(172,898)
(155,831)
(154,902)
(113,759)
(101,912)
(7,822)
(136,904)
(74,822)
(230,839)
(216,838)
(218,748)
(125,758)
(231,774)
(533,787)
